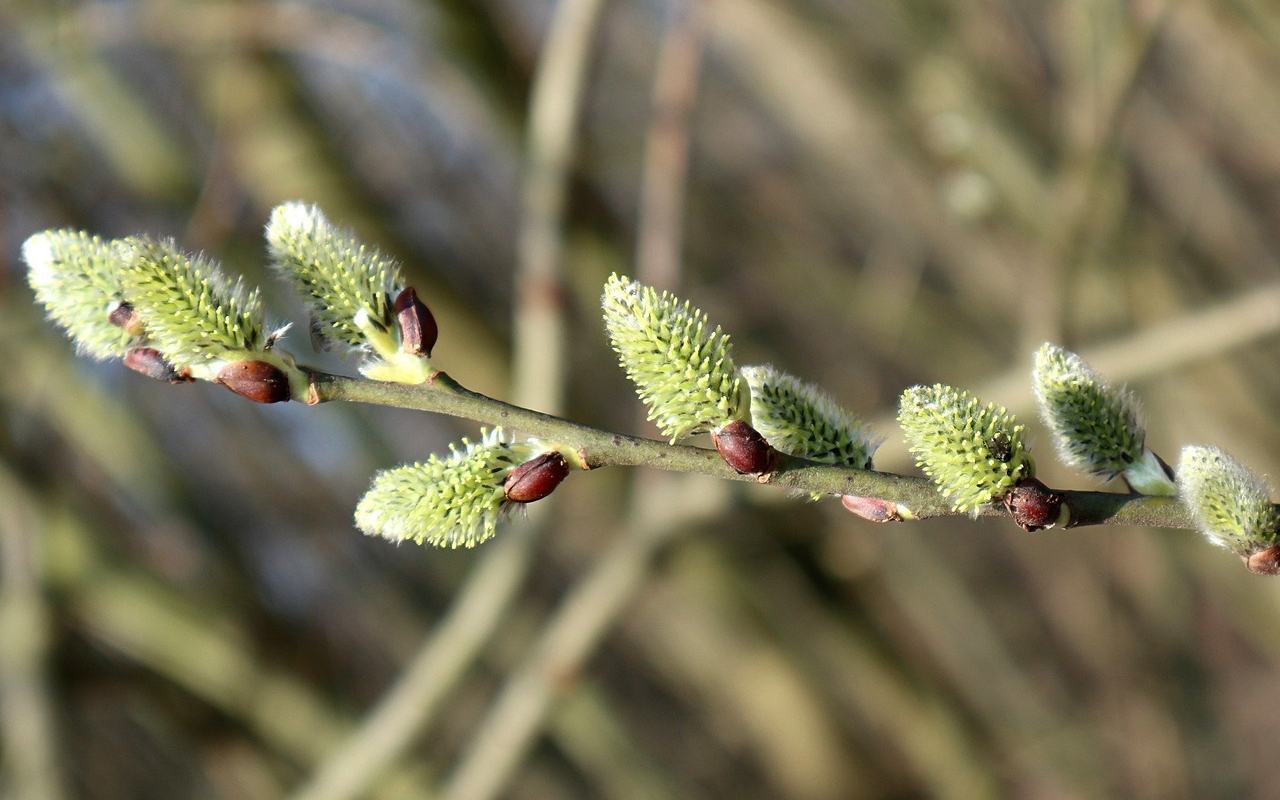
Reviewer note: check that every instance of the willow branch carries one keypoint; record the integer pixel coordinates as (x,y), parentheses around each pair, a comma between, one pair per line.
(601,448)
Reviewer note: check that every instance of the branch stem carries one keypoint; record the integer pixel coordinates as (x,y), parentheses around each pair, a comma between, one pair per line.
(600,448)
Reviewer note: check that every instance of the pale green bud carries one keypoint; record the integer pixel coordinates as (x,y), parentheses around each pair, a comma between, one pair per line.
(455,501)
(1096,427)
(974,453)
(683,370)
(194,315)
(349,286)
(339,276)
(1231,506)
(799,419)
(78,279)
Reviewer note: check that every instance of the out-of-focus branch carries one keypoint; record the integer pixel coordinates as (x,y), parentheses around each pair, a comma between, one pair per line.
(415,697)
(666,163)
(411,703)
(557,96)
(566,641)
(31,753)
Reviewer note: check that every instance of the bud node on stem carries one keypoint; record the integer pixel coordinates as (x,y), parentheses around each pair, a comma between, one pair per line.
(418,330)
(150,362)
(123,316)
(743,448)
(1033,506)
(872,509)
(536,478)
(1265,562)
(256,380)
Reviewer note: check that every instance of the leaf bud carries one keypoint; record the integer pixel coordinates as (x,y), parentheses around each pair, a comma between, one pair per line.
(1265,562)
(743,448)
(1034,506)
(536,478)
(418,331)
(123,316)
(152,363)
(872,509)
(256,380)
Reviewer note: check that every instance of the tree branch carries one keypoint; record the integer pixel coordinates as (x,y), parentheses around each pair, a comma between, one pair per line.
(601,448)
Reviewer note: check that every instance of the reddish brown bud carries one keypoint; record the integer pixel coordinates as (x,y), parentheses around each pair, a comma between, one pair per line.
(418,331)
(1033,505)
(257,380)
(743,448)
(123,316)
(871,508)
(1265,562)
(536,478)
(151,363)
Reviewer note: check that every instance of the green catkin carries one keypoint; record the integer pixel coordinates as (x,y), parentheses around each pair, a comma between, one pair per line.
(194,315)
(799,419)
(973,452)
(345,282)
(682,368)
(455,501)
(1230,505)
(1096,427)
(78,278)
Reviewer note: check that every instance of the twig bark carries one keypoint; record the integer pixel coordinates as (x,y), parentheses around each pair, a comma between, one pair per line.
(601,448)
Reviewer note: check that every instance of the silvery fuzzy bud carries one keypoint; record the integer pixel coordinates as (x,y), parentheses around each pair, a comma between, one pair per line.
(799,419)
(455,501)
(78,279)
(341,278)
(352,290)
(974,453)
(743,448)
(1230,505)
(1096,427)
(194,314)
(682,368)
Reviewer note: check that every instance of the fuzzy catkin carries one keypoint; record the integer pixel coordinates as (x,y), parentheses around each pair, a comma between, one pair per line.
(682,368)
(454,501)
(1230,505)
(193,314)
(973,452)
(1095,426)
(343,280)
(799,419)
(78,278)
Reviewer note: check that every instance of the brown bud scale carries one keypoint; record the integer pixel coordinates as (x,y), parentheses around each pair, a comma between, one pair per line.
(150,362)
(1033,505)
(418,331)
(1265,562)
(123,316)
(256,380)
(743,448)
(536,478)
(873,509)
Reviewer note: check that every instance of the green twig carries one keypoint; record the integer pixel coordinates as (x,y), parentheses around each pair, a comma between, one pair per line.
(601,448)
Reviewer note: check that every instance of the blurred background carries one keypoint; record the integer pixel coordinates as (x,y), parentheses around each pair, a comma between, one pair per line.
(869,194)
